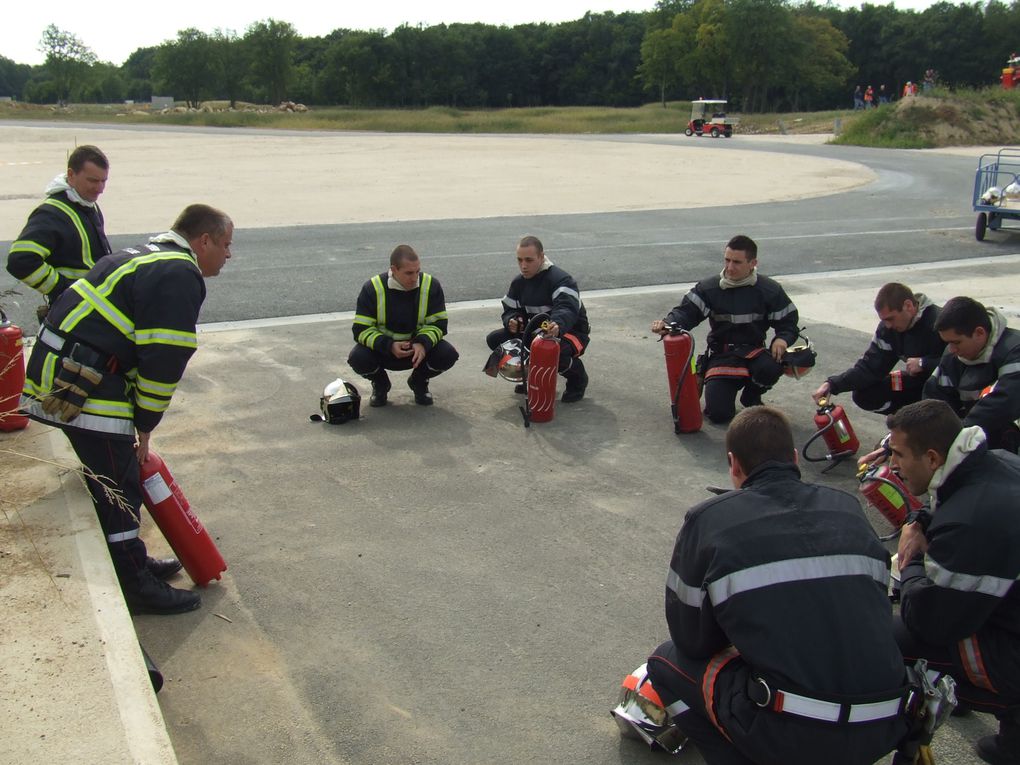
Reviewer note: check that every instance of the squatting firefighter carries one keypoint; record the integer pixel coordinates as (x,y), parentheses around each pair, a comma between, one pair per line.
(781,648)
(542,287)
(981,353)
(64,236)
(959,601)
(105,365)
(740,305)
(906,334)
(399,324)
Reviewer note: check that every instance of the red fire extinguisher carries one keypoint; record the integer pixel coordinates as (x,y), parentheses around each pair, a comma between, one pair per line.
(12,375)
(543,364)
(179,524)
(834,426)
(885,491)
(678,346)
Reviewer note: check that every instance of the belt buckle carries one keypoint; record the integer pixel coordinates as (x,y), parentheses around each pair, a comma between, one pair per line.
(768,693)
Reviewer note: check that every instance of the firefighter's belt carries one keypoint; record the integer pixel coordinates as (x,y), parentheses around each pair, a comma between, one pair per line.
(787,702)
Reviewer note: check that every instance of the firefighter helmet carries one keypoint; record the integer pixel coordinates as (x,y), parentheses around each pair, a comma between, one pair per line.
(340,402)
(799,358)
(511,360)
(641,715)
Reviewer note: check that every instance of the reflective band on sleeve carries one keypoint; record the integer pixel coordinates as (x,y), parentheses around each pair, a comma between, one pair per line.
(985,584)
(689,596)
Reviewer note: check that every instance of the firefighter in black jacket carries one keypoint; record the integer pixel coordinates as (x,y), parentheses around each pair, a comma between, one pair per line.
(981,353)
(540,288)
(740,306)
(105,365)
(781,645)
(399,324)
(959,598)
(906,333)
(64,236)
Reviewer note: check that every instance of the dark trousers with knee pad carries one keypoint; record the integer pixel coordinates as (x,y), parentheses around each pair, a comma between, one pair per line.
(727,374)
(114,481)
(571,348)
(709,702)
(884,399)
(373,364)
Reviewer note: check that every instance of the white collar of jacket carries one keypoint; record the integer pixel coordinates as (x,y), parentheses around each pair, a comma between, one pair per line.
(171,236)
(966,442)
(923,304)
(59,184)
(998,327)
(393,284)
(748,281)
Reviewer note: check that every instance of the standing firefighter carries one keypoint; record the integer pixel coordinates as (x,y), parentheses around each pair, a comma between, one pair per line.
(64,236)
(105,365)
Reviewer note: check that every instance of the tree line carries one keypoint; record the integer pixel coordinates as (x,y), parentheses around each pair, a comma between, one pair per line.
(763,55)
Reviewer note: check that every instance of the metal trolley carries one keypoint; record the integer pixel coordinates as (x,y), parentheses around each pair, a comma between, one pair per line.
(996,190)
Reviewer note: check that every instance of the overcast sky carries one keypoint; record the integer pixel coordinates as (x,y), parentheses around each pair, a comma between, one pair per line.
(113,30)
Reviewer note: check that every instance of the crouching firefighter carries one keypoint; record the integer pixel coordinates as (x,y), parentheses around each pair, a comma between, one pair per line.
(781,646)
(104,367)
(740,305)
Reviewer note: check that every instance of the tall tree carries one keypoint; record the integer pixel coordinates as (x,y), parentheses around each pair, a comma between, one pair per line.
(67,60)
(231,63)
(660,51)
(186,67)
(270,46)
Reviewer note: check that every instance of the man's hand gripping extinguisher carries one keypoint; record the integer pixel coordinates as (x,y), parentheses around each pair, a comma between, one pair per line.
(684,393)
(834,426)
(541,358)
(187,536)
(12,375)
(885,491)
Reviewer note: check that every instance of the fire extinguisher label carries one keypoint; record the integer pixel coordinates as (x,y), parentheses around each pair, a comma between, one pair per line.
(892,496)
(156,488)
(841,432)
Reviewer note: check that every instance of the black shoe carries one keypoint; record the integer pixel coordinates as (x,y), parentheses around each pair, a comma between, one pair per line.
(520,388)
(148,595)
(991,749)
(379,391)
(163,568)
(420,388)
(577,384)
(751,395)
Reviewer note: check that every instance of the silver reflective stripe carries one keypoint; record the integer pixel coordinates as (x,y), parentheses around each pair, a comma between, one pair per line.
(567,291)
(676,708)
(1009,369)
(122,536)
(969,395)
(537,309)
(943,378)
(796,570)
(882,344)
(777,315)
(50,339)
(829,711)
(698,302)
(91,422)
(689,596)
(742,318)
(509,303)
(987,585)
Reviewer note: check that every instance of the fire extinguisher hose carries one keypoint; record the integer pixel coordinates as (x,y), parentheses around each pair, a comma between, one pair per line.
(831,456)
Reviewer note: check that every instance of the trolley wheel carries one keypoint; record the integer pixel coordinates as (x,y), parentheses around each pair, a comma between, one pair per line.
(715,132)
(688,132)
(981,226)
(728,133)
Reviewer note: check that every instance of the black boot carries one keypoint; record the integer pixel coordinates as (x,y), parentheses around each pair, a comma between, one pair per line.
(751,394)
(380,387)
(163,568)
(1003,748)
(145,594)
(419,385)
(577,382)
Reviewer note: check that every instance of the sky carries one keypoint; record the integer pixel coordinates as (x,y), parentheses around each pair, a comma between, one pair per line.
(114,30)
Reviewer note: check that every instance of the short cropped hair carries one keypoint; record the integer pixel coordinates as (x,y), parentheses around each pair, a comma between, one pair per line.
(87,153)
(963,315)
(531,241)
(401,254)
(759,434)
(199,219)
(742,243)
(892,296)
(927,424)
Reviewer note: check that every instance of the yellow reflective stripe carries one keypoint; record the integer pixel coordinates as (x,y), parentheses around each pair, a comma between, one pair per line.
(155,387)
(423,297)
(152,404)
(396,335)
(44,279)
(108,408)
(380,301)
(368,321)
(27,245)
(166,337)
(435,317)
(103,307)
(86,247)
(431,331)
(73,273)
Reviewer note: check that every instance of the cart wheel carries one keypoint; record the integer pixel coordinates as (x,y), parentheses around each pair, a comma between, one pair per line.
(715,132)
(688,132)
(728,133)
(980,227)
